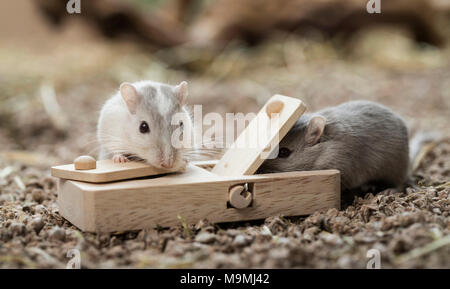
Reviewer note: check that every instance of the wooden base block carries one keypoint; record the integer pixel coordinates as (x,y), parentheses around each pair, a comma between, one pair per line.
(193,195)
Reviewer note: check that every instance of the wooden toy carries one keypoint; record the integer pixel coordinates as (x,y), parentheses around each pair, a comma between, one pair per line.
(85,163)
(129,196)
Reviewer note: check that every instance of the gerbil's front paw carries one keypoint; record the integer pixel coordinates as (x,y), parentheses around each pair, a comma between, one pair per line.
(183,164)
(120,159)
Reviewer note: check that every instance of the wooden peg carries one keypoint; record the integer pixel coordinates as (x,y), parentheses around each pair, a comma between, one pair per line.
(274,107)
(236,198)
(85,163)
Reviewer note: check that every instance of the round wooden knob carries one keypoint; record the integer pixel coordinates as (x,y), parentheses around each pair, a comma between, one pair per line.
(273,107)
(237,198)
(85,163)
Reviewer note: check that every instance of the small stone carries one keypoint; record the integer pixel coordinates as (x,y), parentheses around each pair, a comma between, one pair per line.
(115,241)
(205,237)
(203,223)
(10,215)
(331,239)
(37,195)
(265,231)
(37,224)
(231,232)
(57,234)
(49,183)
(345,262)
(17,229)
(26,209)
(279,253)
(134,246)
(437,211)
(103,239)
(39,209)
(4,199)
(5,235)
(283,241)
(309,233)
(141,236)
(240,240)
(116,251)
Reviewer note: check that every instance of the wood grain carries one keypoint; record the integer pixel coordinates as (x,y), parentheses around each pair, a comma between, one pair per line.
(107,171)
(261,136)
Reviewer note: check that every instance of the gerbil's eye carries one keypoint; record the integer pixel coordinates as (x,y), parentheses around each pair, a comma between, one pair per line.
(284,153)
(181,124)
(143,128)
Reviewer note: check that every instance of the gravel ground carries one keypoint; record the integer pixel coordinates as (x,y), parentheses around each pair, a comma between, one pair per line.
(40,108)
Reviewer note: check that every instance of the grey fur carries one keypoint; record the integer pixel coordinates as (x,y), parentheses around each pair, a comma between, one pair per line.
(364,140)
(160,121)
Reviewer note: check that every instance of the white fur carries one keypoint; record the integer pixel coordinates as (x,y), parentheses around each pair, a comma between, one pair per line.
(118,128)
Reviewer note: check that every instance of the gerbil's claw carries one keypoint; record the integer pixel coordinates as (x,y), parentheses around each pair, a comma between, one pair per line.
(120,159)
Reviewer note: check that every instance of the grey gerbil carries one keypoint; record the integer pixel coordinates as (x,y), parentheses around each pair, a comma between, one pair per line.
(138,122)
(365,141)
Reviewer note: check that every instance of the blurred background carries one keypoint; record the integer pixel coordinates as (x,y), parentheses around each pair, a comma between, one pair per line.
(57,69)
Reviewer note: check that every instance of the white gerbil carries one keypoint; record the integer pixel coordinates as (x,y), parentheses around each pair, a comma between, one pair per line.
(142,121)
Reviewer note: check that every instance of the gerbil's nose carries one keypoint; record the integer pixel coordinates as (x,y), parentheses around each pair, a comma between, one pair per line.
(166,159)
(166,165)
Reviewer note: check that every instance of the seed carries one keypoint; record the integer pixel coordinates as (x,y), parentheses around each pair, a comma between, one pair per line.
(205,237)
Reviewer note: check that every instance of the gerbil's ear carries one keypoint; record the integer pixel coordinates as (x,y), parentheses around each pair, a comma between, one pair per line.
(315,129)
(181,91)
(130,95)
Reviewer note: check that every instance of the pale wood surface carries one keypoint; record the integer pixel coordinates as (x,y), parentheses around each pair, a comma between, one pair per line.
(206,164)
(244,157)
(195,194)
(107,171)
